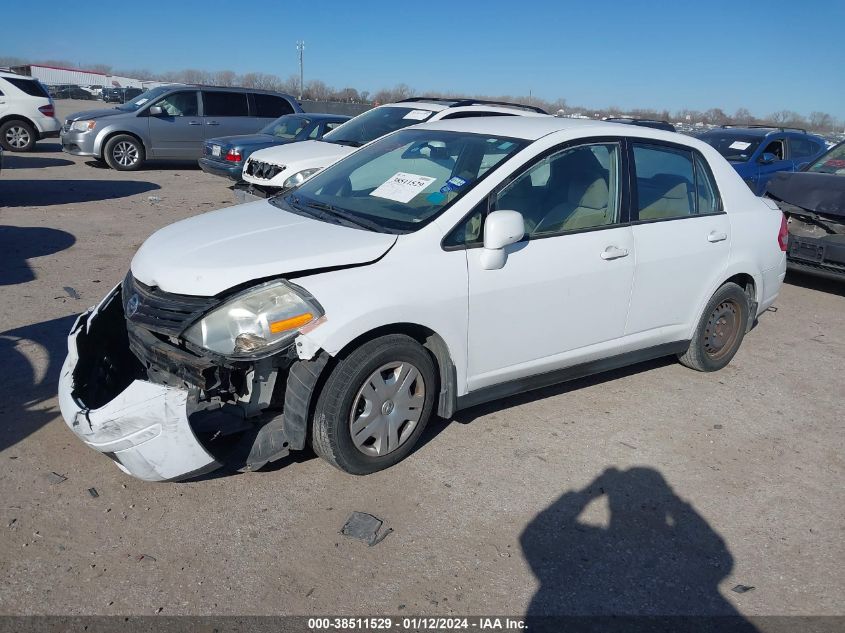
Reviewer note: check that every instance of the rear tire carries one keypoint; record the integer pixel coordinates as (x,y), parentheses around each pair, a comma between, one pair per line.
(124,153)
(17,136)
(720,330)
(375,404)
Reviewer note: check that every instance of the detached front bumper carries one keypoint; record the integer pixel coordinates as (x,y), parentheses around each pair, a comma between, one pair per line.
(145,429)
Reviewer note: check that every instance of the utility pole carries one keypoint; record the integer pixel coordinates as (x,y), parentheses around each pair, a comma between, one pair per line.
(300,46)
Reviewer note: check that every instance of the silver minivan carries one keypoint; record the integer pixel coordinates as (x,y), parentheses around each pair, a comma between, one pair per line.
(170,122)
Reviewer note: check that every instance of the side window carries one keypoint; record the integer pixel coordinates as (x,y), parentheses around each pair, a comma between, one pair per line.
(665,182)
(315,132)
(332,125)
(577,188)
(776,148)
(802,148)
(31,87)
(468,231)
(179,104)
(270,106)
(225,104)
(707,196)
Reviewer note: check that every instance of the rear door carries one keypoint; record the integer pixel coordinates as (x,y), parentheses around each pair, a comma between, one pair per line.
(177,132)
(682,239)
(226,113)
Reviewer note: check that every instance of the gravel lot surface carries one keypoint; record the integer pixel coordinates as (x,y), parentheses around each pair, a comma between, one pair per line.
(650,490)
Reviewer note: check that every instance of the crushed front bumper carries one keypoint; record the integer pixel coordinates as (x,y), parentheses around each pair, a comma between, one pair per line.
(144,429)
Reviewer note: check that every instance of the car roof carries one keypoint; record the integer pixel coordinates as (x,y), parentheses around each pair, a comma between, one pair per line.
(532,128)
(743,131)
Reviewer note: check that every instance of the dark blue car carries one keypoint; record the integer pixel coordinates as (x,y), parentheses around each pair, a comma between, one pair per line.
(759,152)
(226,155)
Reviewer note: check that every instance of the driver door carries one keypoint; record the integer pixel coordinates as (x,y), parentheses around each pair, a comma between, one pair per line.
(178,132)
(563,294)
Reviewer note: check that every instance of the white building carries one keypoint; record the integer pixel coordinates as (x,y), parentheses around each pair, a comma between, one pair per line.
(54,75)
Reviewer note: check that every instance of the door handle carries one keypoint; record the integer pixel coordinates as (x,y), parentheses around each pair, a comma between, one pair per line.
(716,236)
(212,123)
(614,252)
(194,123)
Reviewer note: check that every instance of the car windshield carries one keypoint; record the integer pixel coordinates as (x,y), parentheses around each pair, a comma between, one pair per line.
(831,163)
(733,147)
(286,127)
(375,123)
(144,97)
(399,183)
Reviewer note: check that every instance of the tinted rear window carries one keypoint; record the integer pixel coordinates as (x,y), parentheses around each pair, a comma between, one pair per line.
(225,104)
(29,86)
(270,106)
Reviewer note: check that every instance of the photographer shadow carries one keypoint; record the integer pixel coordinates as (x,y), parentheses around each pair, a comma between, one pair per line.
(649,560)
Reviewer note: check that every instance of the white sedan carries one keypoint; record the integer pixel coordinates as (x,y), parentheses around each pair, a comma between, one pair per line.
(441,266)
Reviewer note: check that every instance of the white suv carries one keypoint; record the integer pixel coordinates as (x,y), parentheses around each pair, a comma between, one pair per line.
(284,166)
(26,113)
(441,266)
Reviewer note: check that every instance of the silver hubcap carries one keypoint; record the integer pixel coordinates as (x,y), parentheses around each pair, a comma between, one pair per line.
(17,136)
(125,154)
(387,409)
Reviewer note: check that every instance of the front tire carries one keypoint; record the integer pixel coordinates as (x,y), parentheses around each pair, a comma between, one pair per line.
(124,153)
(17,136)
(720,330)
(375,404)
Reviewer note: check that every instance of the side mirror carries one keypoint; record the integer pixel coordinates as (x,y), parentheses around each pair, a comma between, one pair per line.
(768,158)
(156,111)
(501,228)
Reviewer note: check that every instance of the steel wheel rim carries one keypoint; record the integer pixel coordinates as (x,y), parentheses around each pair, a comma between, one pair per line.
(17,136)
(722,329)
(125,154)
(387,409)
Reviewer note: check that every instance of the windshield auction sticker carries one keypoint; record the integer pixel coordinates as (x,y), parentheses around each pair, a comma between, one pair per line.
(402,187)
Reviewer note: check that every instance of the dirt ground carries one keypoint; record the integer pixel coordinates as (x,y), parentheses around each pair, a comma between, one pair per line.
(650,490)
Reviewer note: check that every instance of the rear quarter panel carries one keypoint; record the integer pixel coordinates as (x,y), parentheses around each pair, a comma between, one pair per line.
(754,234)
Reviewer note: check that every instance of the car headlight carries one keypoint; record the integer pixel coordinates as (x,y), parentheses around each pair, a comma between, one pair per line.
(83,126)
(256,322)
(299,177)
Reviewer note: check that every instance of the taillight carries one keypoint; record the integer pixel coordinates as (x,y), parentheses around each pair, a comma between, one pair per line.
(234,156)
(783,234)
(47,110)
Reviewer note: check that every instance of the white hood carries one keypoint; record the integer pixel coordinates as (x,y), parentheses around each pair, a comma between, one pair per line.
(295,157)
(210,253)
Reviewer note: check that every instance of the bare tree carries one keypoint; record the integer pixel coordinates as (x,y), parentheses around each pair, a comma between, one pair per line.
(821,121)
(743,115)
(224,78)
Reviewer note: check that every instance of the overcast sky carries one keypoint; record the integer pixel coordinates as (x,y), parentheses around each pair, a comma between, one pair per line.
(764,56)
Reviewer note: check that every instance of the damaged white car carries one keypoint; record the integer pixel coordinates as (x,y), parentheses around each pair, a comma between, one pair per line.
(436,268)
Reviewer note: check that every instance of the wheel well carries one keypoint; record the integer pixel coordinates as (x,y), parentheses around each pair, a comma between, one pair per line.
(119,133)
(435,345)
(18,117)
(746,282)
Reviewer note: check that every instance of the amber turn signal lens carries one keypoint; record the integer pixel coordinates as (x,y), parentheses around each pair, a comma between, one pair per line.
(291,323)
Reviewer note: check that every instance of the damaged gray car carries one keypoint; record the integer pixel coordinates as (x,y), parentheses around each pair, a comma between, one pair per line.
(814,203)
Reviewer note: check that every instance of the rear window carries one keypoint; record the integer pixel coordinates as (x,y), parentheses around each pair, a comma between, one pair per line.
(32,87)
(225,104)
(269,106)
